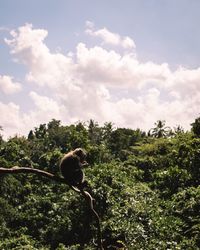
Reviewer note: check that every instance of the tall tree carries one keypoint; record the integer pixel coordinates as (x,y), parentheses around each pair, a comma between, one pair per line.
(94,132)
(196,127)
(160,130)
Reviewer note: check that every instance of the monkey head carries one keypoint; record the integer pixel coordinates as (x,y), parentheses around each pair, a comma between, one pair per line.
(81,154)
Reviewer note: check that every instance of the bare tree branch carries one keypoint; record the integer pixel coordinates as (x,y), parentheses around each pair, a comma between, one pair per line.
(17,170)
(86,195)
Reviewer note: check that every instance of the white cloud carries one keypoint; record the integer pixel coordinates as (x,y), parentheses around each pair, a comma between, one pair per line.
(14,121)
(26,39)
(45,109)
(109,67)
(45,68)
(100,84)
(186,81)
(8,86)
(10,119)
(109,37)
(44,103)
(9,113)
(89,24)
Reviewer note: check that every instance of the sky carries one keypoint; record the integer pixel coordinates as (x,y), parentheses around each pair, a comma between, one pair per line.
(129,62)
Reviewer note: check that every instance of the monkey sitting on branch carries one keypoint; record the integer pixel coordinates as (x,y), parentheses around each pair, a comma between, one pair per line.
(71,168)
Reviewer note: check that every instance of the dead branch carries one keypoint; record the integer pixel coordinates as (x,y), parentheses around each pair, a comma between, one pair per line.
(85,194)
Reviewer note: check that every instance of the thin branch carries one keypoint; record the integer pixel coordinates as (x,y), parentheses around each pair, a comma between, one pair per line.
(17,170)
(86,195)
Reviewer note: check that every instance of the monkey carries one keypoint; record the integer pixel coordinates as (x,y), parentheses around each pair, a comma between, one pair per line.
(71,168)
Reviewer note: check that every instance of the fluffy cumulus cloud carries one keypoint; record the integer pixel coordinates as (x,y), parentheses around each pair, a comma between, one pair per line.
(97,83)
(109,37)
(112,69)
(8,86)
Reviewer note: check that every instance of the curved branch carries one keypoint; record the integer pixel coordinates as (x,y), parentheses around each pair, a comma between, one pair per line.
(86,195)
(17,170)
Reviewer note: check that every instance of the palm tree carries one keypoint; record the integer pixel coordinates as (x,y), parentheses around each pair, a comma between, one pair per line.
(94,132)
(196,127)
(178,130)
(160,130)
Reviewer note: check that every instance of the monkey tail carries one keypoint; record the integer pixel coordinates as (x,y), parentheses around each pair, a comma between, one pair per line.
(76,189)
(86,194)
(90,200)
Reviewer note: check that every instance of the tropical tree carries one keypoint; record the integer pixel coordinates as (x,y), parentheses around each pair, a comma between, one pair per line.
(94,132)
(160,130)
(196,127)
(107,130)
(178,130)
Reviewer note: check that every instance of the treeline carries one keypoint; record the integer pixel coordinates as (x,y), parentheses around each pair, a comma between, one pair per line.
(145,185)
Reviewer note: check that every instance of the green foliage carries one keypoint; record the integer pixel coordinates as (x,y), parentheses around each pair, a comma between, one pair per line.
(146,189)
(121,139)
(186,205)
(22,242)
(196,127)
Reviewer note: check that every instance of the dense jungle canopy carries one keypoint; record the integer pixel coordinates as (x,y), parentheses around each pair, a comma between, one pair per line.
(145,186)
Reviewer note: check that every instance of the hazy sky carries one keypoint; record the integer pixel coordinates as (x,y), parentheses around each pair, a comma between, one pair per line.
(131,62)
